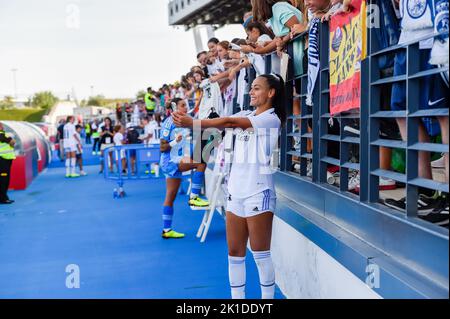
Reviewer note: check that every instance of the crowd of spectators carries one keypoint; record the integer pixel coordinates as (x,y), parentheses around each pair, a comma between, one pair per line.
(218,84)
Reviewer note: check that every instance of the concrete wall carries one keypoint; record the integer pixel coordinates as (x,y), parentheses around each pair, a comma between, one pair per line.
(303,270)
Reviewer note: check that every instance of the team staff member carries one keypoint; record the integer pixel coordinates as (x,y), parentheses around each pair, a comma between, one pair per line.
(252,197)
(7,155)
(87,131)
(149,99)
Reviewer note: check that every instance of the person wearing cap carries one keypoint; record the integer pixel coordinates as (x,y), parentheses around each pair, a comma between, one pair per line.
(7,155)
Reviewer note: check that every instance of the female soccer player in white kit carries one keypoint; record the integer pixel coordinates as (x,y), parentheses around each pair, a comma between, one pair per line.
(71,144)
(252,197)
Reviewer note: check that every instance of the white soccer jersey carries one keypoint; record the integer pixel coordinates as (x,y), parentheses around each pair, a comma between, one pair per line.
(258,62)
(242,87)
(212,98)
(118,139)
(250,171)
(69,135)
(150,129)
(416,22)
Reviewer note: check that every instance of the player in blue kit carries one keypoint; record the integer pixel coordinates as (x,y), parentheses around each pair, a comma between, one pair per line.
(176,159)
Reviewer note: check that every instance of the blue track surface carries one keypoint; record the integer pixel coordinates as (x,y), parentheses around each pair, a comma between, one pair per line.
(117,244)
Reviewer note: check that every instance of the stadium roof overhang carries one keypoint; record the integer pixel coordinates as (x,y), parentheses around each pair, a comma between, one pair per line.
(191,13)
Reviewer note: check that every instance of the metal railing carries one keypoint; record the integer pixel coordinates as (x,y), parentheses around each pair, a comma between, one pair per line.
(358,154)
(409,244)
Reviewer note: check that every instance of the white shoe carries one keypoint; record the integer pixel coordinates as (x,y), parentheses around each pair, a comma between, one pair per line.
(331,179)
(352,130)
(387,184)
(439,163)
(353,183)
(83,173)
(309,171)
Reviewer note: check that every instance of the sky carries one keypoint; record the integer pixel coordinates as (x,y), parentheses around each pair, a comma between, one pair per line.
(109,47)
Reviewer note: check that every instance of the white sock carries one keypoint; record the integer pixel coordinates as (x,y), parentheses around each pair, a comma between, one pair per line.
(67,166)
(236,272)
(73,164)
(266,273)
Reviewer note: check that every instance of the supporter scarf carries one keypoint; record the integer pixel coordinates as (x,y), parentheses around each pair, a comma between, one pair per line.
(313,59)
(439,52)
(416,14)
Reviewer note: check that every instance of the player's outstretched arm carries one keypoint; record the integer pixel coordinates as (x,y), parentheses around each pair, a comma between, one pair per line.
(181,120)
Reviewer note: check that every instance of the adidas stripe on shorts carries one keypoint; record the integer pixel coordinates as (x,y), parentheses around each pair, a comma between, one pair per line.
(253,205)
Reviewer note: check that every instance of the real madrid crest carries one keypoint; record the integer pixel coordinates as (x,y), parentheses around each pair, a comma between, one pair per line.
(416,8)
(244,135)
(337,39)
(441,20)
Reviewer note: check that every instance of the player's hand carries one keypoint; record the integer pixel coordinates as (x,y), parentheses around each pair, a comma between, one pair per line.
(280,46)
(182,120)
(179,138)
(164,146)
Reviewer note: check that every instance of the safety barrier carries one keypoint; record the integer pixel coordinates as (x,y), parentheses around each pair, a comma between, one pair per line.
(138,159)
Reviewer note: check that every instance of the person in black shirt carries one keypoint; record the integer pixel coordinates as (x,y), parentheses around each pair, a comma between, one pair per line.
(6,158)
(133,138)
(60,139)
(106,140)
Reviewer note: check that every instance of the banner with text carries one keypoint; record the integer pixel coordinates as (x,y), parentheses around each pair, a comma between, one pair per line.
(347,36)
